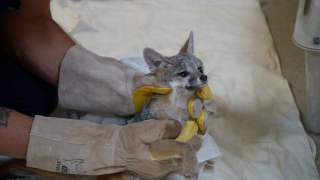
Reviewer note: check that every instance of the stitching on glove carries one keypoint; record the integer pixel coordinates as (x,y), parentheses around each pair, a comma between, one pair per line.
(129,74)
(138,156)
(114,145)
(130,91)
(39,136)
(67,140)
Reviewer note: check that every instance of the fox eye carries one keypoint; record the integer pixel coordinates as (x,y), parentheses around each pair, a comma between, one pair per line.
(183,74)
(200,69)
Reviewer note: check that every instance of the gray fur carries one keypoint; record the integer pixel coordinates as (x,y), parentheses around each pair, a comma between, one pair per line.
(190,42)
(145,113)
(179,63)
(154,59)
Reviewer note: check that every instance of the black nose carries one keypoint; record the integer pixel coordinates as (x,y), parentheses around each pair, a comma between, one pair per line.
(203,78)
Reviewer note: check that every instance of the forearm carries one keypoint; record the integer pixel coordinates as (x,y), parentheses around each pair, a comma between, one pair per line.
(14,133)
(34,39)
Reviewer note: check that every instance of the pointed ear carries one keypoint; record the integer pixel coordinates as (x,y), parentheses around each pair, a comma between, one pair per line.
(189,45)
(154,59)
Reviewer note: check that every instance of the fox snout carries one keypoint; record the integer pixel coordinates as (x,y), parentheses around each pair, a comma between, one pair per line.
(203,78)
(197,82)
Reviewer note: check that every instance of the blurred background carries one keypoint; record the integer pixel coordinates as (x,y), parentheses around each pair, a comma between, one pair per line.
(281,17)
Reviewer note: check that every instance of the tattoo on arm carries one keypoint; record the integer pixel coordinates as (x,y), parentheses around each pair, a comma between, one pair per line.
(4,115)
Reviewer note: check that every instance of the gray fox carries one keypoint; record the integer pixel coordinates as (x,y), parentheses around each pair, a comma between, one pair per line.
(184,74)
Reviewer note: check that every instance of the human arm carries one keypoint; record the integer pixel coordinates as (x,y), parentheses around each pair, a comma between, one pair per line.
(14,133)
(32,37)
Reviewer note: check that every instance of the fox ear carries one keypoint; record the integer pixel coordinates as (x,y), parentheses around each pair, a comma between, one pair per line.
(154,59)
(189,45)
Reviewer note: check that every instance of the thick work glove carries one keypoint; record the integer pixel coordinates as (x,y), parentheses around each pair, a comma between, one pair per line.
(197,111)
(92,83)
(79,147)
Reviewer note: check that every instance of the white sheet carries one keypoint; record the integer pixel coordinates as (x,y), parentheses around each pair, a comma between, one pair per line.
(257,124)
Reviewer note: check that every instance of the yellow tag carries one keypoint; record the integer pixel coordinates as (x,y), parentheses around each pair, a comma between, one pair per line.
(204,92)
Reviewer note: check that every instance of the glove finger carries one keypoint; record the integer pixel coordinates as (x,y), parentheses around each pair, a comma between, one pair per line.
(202,132)
(150,79)
(189,129)
(141,95)
(153,130)
(200,122)
(152,169)
(204,93)
(190,107)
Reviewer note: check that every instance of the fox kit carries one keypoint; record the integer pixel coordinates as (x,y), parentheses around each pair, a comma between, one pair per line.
(184,74)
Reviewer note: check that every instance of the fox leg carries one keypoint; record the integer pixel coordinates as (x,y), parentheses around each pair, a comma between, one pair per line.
(163,149)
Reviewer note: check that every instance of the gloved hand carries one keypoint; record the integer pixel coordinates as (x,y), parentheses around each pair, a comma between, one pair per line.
(91,83)
(196,110)
(79,147)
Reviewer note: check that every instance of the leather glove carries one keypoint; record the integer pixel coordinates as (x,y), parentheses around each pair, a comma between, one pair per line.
(91,83)
(197,111)
(79,147)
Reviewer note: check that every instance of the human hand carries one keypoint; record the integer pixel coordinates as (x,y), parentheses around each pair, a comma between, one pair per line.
(133,146)
(93,83)
(94,149)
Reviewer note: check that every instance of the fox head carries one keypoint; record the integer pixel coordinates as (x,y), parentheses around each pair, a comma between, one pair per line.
(180,71)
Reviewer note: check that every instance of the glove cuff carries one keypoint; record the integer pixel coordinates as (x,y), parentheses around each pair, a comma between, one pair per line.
(74,147)
(89,82)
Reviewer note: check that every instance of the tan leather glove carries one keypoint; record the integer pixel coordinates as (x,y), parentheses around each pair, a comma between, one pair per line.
(92,83)
(79,147)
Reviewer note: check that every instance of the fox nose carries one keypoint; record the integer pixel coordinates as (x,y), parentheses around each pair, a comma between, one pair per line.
(203,78)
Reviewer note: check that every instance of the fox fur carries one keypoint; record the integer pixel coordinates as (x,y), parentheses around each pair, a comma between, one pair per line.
(184,74)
